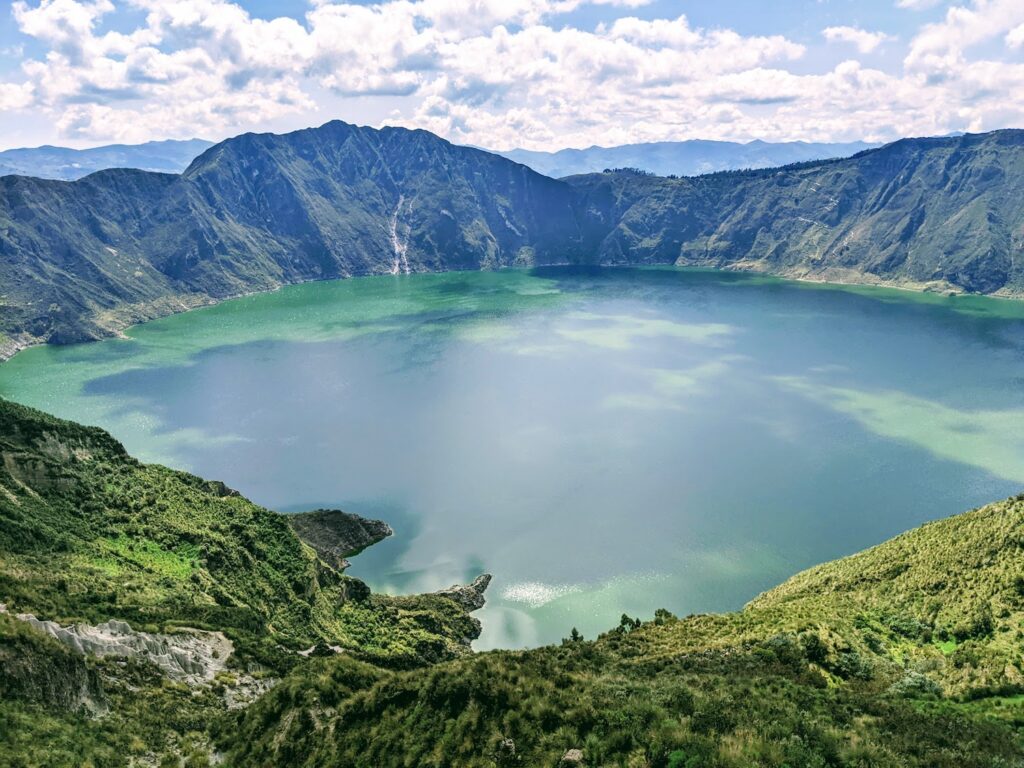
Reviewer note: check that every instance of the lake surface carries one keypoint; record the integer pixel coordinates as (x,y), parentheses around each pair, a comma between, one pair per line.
(601,441)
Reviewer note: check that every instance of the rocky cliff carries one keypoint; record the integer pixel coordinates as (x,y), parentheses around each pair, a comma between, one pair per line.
(335,535)
(938,214)
(79,260)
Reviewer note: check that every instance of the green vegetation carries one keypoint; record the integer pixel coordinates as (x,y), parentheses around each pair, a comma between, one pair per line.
(908,654)
(921,213)
(768,704)
(260,211)
(88,534)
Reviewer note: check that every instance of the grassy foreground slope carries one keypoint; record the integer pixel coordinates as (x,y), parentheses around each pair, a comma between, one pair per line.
(908,654)
(88,534)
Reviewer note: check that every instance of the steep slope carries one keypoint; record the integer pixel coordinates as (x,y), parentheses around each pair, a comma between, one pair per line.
(907,654)
(938,213)
(72,262)
(83,259)
(340,200)
(681,158)
(153,545)
(68,164)
(148,615)
(80,260)
(138,603)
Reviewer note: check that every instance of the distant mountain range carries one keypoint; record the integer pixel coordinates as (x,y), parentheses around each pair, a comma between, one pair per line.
(81,260)
(68,164)
(681,158)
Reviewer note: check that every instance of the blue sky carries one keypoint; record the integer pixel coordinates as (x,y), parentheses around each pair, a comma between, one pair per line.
(540,74)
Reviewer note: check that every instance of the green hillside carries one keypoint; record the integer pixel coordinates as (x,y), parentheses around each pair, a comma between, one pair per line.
(907,654)
(79,260)
(924,213)
(88,534)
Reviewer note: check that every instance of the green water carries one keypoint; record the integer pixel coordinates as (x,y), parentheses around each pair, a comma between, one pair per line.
(602,442)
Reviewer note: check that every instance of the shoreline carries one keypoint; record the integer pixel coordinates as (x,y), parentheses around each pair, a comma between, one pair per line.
(111,325)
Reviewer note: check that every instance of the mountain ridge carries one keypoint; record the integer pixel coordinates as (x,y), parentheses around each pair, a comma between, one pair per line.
(690,157)
(84,259)
(64,163)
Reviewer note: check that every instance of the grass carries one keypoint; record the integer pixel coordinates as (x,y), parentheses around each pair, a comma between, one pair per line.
(906,654)
(151,557)
(89,534)
(948,647)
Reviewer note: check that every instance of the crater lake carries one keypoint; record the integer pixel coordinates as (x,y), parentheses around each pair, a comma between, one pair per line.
(602,441)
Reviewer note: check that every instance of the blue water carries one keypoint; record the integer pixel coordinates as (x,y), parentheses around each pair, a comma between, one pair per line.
(602,442)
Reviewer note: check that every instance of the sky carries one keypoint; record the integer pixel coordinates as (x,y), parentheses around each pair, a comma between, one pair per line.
(538,74)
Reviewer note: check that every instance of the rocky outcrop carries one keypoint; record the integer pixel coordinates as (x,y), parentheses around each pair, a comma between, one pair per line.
(573,758)
(35,668)
(190,656)
(335,535)
(470,596)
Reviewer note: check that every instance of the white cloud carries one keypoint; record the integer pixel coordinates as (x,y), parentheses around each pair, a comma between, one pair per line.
(917,5)
(940,49)
(15,96)
(1015,37)
(865,41)
(65,24)
(500,73)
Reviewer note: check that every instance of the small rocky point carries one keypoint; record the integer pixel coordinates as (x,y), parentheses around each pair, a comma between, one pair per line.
(469,596)
(336,535)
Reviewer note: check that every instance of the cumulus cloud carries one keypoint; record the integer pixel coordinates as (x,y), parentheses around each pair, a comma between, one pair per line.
(941,48)
(500,73)
(1015,37)
(15,96)
(865,41)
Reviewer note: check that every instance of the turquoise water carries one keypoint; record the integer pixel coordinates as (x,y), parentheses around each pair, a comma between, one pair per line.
(601,441)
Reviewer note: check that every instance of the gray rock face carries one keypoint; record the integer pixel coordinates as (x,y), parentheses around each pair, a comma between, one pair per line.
(54,676)
(191,656)
(335,535)
(573,758)
(246,689)
(470,596)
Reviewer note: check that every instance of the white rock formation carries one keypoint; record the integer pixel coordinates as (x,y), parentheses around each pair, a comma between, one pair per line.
(191,656)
